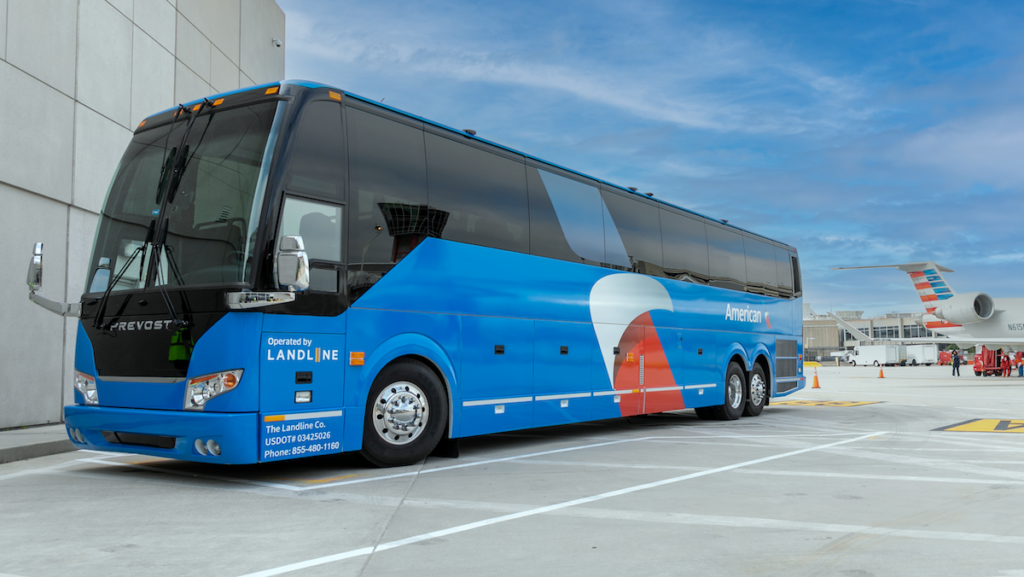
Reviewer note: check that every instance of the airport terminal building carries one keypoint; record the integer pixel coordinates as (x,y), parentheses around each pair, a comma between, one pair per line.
(823,336)
(76,78)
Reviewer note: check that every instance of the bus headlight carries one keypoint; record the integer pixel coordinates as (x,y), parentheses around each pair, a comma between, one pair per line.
(201,389)
(86,385)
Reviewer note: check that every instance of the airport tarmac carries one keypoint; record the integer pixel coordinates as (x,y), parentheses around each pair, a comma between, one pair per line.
(918,473)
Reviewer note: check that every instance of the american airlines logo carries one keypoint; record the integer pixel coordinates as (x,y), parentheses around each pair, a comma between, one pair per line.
(745,315)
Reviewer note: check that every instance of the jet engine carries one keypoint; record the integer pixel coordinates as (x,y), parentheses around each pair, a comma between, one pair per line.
(966,308)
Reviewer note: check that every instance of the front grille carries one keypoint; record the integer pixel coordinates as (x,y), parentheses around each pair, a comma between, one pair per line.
(139,440)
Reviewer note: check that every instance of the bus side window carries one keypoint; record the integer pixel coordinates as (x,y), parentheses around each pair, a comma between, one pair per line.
(389,215)
(566,219)
(725,255)
(637,224)
(798,289)
(319,225)
(685,243)
(483,195)
(785,272)
(317,156)
(762,277)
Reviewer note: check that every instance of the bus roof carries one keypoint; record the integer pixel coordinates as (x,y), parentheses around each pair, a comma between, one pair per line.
(462,133)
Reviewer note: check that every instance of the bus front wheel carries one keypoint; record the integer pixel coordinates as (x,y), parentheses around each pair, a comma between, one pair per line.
(757,393)
(406,412)
(735,394)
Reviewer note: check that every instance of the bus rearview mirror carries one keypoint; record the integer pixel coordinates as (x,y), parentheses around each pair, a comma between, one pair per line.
(292,264)
(35,268)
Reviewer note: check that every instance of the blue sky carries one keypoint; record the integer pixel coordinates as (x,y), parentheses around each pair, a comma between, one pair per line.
(861,132)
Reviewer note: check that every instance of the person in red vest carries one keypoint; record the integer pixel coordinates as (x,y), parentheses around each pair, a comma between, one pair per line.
(1006,365)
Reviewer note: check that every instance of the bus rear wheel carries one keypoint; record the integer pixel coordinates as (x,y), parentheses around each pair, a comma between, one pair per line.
(735,395)
(757,393)
(406,412)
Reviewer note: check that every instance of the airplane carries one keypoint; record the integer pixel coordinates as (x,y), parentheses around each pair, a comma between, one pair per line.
(969,318)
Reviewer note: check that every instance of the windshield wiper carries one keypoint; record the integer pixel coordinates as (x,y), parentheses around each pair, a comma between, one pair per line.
(141,250)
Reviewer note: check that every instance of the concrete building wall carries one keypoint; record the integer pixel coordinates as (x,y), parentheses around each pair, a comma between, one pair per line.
(76,78)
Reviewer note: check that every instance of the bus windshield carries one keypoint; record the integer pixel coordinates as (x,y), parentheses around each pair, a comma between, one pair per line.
(212,215)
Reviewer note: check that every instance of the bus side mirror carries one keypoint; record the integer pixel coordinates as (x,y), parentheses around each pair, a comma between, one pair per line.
(292,264)
(35,269)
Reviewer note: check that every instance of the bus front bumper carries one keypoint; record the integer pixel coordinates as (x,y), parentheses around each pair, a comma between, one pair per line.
(172,434)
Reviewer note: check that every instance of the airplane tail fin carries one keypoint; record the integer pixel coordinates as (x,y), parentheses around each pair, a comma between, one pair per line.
(927,278)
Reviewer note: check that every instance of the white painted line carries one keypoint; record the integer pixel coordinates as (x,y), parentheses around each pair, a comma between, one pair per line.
(496,402)
(189,474)
(785,525)
(564,396)
(53,467)
(688,387)
(538,511)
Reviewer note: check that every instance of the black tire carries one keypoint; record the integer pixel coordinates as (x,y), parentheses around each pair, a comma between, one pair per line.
(757,393)
(415,399)
(705,413)
(977,373)
(854,363)
(876,363)
(735,395)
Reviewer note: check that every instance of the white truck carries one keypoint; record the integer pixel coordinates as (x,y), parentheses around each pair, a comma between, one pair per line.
(926,355)
(878,355)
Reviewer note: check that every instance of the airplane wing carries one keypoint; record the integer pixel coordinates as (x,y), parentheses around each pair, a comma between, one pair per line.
(860,336)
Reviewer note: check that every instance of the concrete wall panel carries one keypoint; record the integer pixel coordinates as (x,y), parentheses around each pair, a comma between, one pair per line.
(3,29)
(105,61)
(39,159)
(99,143)
(193,48)
(152,78)
(244,81)
(262,21)
(158,19)
(223,72)
(41,40)
(218,21)
(32,339)
(124,7)
(187,85)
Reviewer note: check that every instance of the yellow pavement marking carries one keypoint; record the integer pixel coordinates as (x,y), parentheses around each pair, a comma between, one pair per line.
(987,426)
(799,403)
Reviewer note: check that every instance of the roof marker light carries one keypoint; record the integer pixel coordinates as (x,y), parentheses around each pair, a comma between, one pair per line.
(196,107)
(218,102)
(272,90)
(334,95)
(141,124)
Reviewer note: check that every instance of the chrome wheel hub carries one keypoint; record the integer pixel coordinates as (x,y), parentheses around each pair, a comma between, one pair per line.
(757,390)
(735,391)
(400,413)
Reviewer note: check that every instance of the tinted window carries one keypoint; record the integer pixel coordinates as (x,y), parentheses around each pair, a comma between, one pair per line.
(388,170)
(316,158)
(798,288)
(638,226)
(785,272)
(685,245)
(566,218)
(762,277)
(726,260)
(483,194)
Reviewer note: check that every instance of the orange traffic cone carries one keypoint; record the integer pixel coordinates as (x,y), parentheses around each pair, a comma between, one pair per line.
(816,385)
(880,374)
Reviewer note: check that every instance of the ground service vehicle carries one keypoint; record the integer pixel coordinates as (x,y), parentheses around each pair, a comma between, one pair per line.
(292,270)
(877,355)
(926,355)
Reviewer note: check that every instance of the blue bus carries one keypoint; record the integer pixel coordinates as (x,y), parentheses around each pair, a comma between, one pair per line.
(293,270)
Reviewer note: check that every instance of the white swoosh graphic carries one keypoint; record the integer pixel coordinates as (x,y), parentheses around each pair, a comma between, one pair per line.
(615,301)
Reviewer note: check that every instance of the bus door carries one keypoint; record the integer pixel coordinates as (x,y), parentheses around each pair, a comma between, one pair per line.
(660,390)
(497,375)
(562,373)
